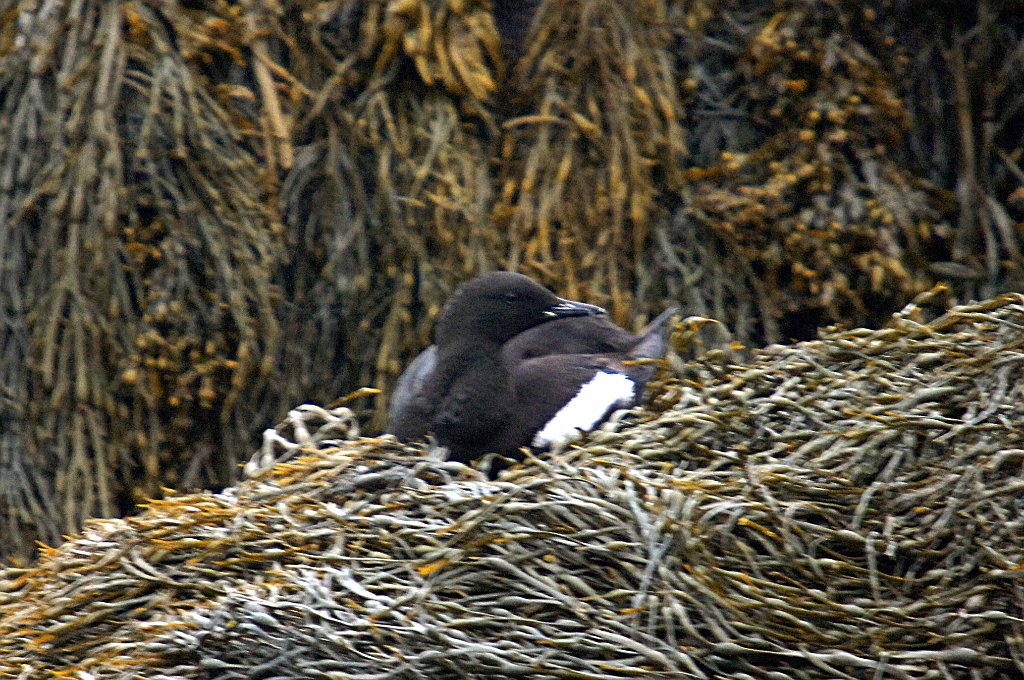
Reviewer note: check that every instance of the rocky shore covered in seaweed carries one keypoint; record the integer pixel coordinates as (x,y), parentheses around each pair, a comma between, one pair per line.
(846,507)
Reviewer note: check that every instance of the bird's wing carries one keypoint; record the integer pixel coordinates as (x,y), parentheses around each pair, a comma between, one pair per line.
(409,384)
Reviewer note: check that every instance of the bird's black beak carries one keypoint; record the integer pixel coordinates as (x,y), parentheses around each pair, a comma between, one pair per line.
(566,308)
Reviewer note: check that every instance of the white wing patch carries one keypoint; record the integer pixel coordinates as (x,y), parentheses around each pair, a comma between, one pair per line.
(602,393)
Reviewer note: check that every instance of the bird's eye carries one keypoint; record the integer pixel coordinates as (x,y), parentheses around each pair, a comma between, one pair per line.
(510,297)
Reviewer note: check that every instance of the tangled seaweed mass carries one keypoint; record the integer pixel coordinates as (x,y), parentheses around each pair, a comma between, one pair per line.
(850,507)
(213,210)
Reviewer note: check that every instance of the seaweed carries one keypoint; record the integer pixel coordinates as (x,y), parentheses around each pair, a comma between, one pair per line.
(212,210)
(138,307)
(845,507)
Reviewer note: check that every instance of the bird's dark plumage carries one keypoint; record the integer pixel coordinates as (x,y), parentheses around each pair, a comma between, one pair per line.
(514,365)
(586,335)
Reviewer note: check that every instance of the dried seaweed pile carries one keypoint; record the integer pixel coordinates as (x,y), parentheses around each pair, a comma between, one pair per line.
(846,155)
(137,256)
(184,184)
(959,70)
(803,211)
(388,199)
(849,507)
(599,140)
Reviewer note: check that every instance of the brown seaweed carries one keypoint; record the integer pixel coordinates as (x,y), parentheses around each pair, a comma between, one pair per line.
(213,210)
(138,306)
(847,507)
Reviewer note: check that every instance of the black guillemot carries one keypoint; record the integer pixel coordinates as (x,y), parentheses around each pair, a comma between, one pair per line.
(515,366)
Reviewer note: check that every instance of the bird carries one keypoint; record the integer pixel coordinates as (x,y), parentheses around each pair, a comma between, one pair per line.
(514,366)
